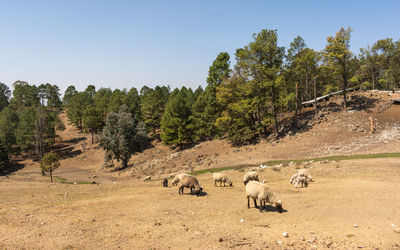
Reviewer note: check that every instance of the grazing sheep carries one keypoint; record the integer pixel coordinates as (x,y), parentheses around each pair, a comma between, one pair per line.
(250,176)
(306,173)
(189,182)
(302,180)
(165,182)
(263,193)
(222,178)
(175,181)
(293,178)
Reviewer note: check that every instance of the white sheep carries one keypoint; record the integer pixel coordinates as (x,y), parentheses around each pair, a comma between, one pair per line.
(262,192)
(222,178)
(302,180)
(306,173)
(175,181)
(293,178)
(250,176)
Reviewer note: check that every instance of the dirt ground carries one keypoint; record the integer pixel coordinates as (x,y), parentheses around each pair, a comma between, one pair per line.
(351,204)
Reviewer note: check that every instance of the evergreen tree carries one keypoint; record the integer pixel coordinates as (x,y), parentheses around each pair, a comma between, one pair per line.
(25,131)
(153,103)
(24,95)
(49,163)
(8,125)
(133,102)
(92,120)
(4,96)
(206,109)
(101,101)
(68,94)
(176,127)
(121,137)
(338,54)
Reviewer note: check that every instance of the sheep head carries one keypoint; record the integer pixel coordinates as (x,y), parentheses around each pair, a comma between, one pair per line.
(278,205)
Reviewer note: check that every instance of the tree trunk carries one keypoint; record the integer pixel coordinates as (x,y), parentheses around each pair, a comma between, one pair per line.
(51,176)
(297,106)
(92,137)
(344,93)
(124,163)
(274,111)
(306,95)
(373,82)
(315,98)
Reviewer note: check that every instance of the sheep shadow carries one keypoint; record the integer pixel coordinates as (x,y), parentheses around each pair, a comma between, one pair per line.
(202,193)
(270,208)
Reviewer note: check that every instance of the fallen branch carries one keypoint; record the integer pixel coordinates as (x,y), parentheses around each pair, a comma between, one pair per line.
(241,244)
(266,225)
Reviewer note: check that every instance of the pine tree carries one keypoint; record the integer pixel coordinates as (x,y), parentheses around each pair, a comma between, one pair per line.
(92,120)
(338,54)
(49,163)
(153,104)
(4,96)
(176,127)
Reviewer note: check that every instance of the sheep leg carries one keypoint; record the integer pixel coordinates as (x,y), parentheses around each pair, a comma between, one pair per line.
(261,206)
(248,202)
(220,183)
(215,183)
(255,202)
(179,190)
(224,183)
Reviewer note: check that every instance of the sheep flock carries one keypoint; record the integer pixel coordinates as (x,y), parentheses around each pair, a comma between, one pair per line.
(255,189)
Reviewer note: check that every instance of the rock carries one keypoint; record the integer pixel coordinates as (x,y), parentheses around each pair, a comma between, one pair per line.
(355,225)
(312,240)
(241,220)
(279,242)
(147,178)
(397,230)
(221,240)
(285,234)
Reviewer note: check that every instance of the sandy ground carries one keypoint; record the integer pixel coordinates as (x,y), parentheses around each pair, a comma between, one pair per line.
(143,215)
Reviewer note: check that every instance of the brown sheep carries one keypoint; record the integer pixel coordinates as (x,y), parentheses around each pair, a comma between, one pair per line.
(191,182)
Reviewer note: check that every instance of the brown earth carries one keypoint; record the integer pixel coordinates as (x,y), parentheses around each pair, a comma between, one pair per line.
(123,211)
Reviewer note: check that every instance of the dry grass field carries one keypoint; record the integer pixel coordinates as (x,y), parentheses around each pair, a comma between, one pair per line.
(351,204)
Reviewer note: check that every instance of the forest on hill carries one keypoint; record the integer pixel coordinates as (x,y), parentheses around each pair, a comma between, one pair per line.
(242,101)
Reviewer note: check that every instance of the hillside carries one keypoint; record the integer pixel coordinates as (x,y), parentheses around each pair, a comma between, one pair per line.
(350,204)
(336,133)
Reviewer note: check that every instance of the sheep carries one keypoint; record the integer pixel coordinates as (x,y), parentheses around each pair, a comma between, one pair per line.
(222,178)
(306,173)
(165,182)
(302,180)
(189,182)
(175,181)
(293,178)
(263,193)
(250,176)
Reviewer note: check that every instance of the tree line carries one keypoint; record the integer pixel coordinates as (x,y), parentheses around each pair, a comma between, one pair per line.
(242,101)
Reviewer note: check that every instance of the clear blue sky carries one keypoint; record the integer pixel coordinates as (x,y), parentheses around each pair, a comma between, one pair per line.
(128,44)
